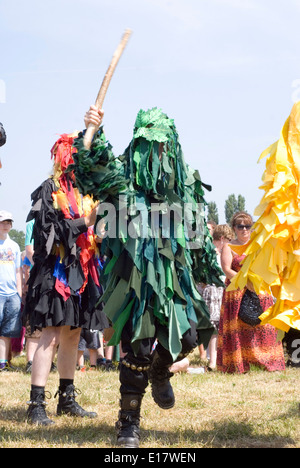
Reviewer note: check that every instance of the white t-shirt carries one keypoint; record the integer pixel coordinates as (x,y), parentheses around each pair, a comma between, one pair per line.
(10,260)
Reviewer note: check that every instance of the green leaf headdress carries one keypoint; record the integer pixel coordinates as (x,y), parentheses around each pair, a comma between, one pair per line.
(155,155)
(154,125)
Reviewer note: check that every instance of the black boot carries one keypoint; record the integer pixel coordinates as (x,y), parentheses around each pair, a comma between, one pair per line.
(36,413)
(68,405)
(128,425)
(159,376)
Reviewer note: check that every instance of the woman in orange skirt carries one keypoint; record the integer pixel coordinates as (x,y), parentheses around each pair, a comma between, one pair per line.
(241,346)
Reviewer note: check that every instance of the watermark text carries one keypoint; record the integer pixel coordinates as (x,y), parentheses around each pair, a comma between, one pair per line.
(135,220)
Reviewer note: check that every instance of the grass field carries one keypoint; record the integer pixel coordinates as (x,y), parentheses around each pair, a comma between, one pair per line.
(213,410)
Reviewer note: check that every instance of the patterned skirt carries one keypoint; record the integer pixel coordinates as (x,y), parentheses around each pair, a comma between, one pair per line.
(241,346)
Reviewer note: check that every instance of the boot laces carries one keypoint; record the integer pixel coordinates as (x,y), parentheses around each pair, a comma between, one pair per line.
(40,401)
(72,392)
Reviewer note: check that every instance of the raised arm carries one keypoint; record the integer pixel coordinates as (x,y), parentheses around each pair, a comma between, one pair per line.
(97,171)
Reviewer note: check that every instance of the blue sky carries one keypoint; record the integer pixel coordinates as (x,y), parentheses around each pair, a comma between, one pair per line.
(227,71)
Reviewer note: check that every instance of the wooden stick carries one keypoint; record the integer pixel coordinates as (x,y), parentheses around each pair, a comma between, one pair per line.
(91,130)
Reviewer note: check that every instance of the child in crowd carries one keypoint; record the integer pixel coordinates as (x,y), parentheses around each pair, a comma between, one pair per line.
(89,340)
(213,294)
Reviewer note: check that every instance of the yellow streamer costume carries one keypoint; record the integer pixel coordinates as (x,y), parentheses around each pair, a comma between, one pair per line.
(272,262)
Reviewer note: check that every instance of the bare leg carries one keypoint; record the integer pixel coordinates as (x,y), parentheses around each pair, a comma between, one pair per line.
(67,352)
(80,358)
(202,352)
(93,357)
(180,366)
(213,345)
(68,341)
(4,348)
(109,351)
(43,356)
(31,347)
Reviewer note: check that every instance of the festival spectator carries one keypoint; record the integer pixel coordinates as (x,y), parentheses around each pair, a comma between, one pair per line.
(17,344)
(202,351)
(32,338)
(213,294)
(211,226)
(89,340)
(10,289)
(241,345)
(108,364)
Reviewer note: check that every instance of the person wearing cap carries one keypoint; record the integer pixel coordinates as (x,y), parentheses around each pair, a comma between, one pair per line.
(10,289)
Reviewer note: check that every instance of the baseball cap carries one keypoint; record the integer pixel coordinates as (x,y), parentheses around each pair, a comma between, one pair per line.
(5,216)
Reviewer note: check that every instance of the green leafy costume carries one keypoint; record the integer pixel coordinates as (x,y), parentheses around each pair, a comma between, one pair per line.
(160,246)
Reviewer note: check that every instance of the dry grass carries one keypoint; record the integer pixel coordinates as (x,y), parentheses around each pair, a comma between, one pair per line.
(258,409)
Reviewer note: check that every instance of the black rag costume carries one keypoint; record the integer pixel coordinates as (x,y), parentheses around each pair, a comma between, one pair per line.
(63,287)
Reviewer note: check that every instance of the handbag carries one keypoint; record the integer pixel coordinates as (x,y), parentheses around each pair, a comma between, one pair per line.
(250,308)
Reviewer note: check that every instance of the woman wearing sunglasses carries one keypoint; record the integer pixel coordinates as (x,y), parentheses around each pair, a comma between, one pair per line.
(241,346)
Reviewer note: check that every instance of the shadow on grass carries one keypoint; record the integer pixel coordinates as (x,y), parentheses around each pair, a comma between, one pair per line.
(68,431)
(228,433)
(225,434)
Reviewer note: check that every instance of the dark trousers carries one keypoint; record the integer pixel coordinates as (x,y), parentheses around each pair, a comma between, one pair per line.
(136,382)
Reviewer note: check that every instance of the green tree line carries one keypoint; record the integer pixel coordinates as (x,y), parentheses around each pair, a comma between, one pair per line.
(232,205)
(18,237)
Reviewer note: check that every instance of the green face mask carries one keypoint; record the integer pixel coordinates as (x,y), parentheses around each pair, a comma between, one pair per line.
(156,159)
(154,125)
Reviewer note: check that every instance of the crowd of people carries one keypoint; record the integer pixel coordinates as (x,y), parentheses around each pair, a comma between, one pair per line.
(159,298)
(237,345)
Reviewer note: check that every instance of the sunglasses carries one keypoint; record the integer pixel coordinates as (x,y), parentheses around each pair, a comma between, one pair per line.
(240,227)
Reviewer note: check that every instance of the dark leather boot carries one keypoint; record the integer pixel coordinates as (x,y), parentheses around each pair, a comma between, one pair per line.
(36,413)
(159,376)
(128,425)
(68,405)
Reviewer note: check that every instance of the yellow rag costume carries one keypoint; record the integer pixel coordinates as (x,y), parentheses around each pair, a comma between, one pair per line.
(272,262)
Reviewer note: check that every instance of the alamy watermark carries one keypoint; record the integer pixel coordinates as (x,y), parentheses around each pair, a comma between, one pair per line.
(131,219)
(2,92)
(295,357)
